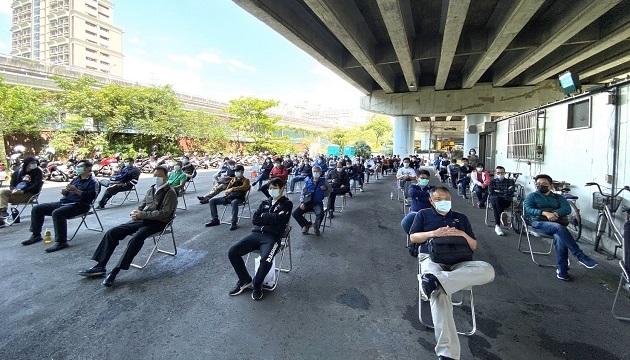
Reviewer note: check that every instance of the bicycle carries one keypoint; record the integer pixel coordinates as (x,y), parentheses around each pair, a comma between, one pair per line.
(575,219)
(606,206)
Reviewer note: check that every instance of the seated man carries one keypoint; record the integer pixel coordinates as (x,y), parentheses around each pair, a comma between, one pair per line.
(500,194)
(119,182)
(189,168)
(303,172)
(270,221)
(369,165)
(464,177)
(439,282)
(405,176)
(340,184)
(359,171)
(453,172)
(154,213)
(224,179)
(419,194)
(177,178)
(278,171)
(264,173)
(77,199)
(225,165)
(25,183)
(480,179)
(317,189)
(543,209)
(234,194)
(443,172)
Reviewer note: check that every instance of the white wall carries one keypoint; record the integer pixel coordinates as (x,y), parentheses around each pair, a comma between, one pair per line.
(576,156)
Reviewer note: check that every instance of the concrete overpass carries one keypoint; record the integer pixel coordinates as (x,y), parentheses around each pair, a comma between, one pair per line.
(440,59)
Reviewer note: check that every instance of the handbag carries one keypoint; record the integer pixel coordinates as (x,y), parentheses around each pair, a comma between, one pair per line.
(307,198)
(449,250)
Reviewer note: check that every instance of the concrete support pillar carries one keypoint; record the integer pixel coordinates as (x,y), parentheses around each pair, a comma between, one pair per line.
(472,140)
(425,141)
(403,135)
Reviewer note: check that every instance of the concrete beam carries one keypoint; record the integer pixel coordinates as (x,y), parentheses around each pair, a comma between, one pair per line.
(455,16)
(394,18)
(517,16)
(345,21)
(578,16)
(482,98)
(606,65)
(293,24)
(612,39)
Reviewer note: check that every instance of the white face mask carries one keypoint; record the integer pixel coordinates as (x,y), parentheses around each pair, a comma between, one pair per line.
(479,169)
(316,175)
(274,193)
(238,173)
(501,177)
(158,181)
(443,206)
(406,164)
(339,169)
(33,166)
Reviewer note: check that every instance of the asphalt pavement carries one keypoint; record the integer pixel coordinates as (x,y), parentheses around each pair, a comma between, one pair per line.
(352,294)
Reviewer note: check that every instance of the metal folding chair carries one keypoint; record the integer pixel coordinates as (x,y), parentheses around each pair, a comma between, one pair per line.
(243,204)
(182,195)
(134,182)
(32,201)
(91,211)
(311,214)
(343,202)
(285,244)
(470,303)
(157,237)
(529,233)
(191,181)
(623,279)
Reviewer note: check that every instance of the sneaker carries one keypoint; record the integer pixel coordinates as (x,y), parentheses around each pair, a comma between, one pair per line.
(504,219)
(239,288)
(306,228)
(290,192)
(562,275)
(361,190)
(497,229)
(32,240)
(482,206)
(257,293)
(587,262)
(429,284)
(93,271)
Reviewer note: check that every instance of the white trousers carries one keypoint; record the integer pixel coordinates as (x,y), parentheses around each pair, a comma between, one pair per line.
(453,279)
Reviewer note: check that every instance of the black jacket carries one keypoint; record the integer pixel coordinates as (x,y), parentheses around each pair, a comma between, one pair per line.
(36,183)
(268,219)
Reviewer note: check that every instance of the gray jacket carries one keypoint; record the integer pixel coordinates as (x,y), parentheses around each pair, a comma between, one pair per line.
(159,205)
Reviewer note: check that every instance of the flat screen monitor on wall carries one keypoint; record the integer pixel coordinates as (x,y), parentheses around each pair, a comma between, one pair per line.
(569,82)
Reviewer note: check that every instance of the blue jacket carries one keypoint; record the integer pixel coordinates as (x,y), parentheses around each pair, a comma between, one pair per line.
(315,189)
(322,165)
(88,187)
(419,197)
(537,201)
(127,174)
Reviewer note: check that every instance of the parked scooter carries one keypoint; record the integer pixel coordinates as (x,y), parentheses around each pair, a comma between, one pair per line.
(107,167)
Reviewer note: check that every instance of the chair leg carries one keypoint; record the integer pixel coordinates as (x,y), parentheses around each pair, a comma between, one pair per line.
(156,247)
(622,279)
(530,250)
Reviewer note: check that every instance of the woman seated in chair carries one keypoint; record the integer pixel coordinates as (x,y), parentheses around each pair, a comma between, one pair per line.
(25,183)
(270,221)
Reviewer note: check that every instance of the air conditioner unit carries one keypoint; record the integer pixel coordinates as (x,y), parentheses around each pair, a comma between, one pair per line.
(487,127)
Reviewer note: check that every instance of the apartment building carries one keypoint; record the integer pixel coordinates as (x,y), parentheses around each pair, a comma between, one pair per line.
(76,33)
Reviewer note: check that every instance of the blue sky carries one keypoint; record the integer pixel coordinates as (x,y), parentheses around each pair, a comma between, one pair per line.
(215,49)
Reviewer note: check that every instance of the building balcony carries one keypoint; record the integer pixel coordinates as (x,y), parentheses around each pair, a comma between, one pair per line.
(58,12)
(21,25)
(58,40)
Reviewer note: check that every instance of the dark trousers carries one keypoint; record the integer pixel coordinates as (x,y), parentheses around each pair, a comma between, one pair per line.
(222,201)
(454,178)
(296,179)
(60,214)
(259,180)
(140,230)
(465,183)
(333,196)
(113,190)
(316,207)
(268,246)
(359,178)
(482,194)
(499,205)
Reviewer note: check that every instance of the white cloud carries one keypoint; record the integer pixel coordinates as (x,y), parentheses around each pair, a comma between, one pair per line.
(144,72)
(238,64)
(136,41)
(210,58)
(5,8)
(190,62)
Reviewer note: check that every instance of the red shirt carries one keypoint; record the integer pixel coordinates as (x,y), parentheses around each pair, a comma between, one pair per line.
(279,171)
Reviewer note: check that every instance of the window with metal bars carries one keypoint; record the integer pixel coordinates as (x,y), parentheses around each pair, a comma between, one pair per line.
(526,136)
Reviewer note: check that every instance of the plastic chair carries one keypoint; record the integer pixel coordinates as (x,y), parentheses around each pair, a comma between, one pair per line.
(133,182)
(470,303)
(244,203)
(33,200)
(168,229)
(529,233)
(91,211)
(285,244)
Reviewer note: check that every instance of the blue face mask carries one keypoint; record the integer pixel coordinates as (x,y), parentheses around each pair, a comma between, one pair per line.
(177,167)
(80,170)
(443,206)
(423,182)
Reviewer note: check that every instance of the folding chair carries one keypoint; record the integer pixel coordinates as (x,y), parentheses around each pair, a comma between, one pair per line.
(91,211)
(285,244)
(33,200)
(311,213)
(343,202)
(470,303)
(531,233)
(133,182)
(191,181)
(244,203)
(168,229)
(182,195)
(624,278)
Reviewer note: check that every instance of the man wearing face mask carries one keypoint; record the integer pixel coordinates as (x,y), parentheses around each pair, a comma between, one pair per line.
(303,172)
(544,210)
(481,179)
(464,177)
(155,211)
(188,167)
(270,221)
(223,180)
(438,281)
(234,194)
(420,194)
(340,184)
(119,182)
(265,171)
(359,173)
(500,192)
(77,199)
(405,176)
(20,190)
(177,178)
(278,171)
(318,188)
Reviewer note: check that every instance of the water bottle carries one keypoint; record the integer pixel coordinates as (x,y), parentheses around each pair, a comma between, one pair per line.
(391,195)
(47,236)
(15,215)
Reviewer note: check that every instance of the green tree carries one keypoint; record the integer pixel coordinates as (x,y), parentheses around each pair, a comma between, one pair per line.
(338,136)
(381,126)
(362,149)
(250,120)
